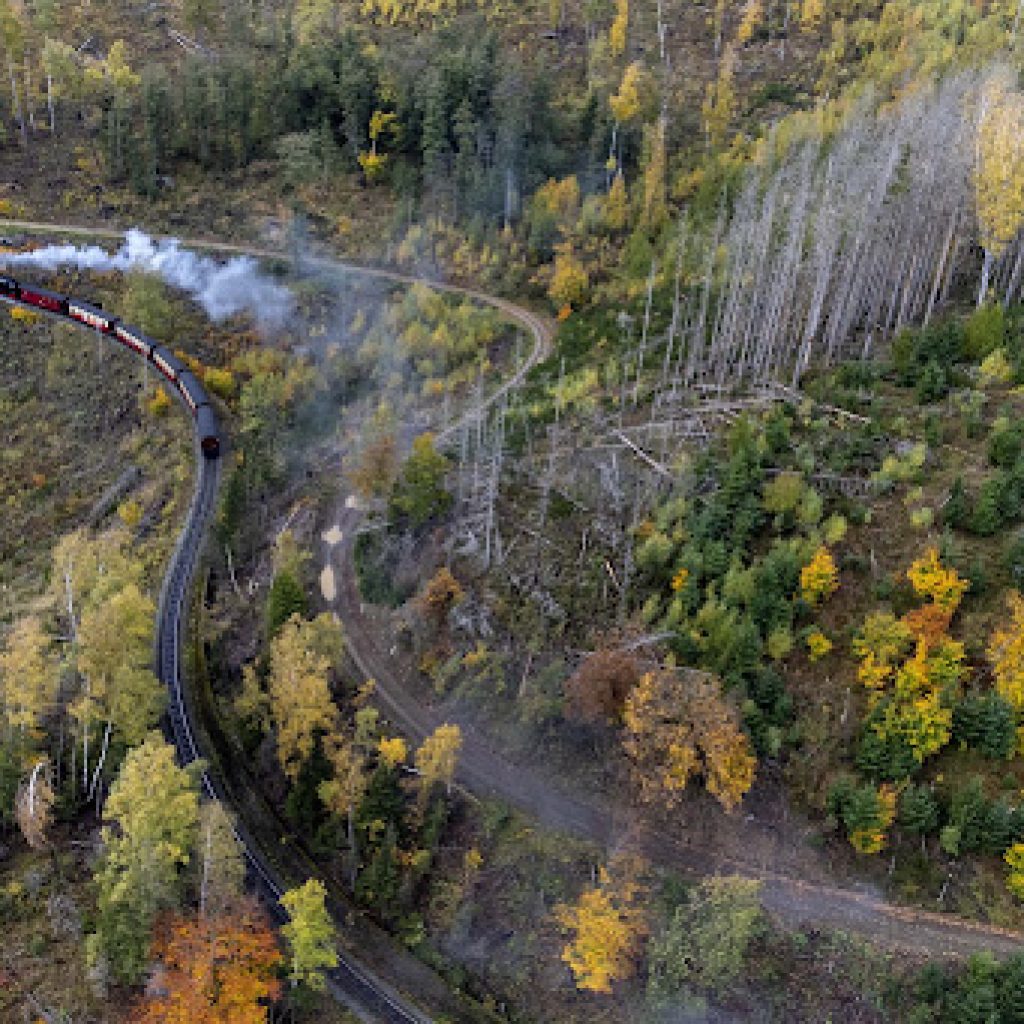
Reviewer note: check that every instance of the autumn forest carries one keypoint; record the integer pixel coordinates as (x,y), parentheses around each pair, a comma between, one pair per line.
(529,526)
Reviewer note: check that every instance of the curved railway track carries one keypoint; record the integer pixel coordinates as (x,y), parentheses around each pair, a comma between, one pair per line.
(352,983)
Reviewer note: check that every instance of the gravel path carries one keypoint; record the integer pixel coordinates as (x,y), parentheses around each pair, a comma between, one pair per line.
(484,769)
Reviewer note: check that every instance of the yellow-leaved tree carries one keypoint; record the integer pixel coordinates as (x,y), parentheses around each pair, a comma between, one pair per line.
(1014,858)
(607,927)
(437,757)
(342,793)
(569,280)
(28,677)
(1006,654)
(720,101)
(819,579)
(678,726)
(753,15)
(409,12)
(383,124)
(619,27)
(812,14)
(627,103)
(616,204)
(301,658)
(655,169)
(999,171)
(310,935)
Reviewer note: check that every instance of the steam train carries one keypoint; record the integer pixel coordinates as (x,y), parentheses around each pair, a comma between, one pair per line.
(160,356)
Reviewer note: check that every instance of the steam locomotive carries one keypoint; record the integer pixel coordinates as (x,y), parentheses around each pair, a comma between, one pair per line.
(191,391)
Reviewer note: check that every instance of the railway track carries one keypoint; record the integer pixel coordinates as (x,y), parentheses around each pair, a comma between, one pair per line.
(352,982)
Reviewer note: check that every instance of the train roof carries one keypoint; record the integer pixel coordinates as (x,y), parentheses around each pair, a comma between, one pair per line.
(33,289)
(127,329)
(188,381)
(168,358)
(91,309)
(206,421)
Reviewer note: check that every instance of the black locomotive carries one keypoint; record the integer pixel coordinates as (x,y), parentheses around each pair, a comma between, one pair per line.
(191,391)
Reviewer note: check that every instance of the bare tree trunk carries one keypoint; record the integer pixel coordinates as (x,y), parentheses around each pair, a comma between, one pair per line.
(85,755)
(16,101)
(947,254)
(28,92)
(643,334)
(1015,276)
(986,271)
(101,761)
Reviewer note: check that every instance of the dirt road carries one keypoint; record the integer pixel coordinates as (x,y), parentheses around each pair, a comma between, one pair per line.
(695,846)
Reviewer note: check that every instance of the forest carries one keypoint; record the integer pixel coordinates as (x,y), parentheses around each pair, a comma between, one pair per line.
(613,606)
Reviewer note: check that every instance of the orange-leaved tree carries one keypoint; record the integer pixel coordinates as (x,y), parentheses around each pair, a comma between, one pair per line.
(217,970)
(441,593)
(912,668)
(597,690)
(679,725)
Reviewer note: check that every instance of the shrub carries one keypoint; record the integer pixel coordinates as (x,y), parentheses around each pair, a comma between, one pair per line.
(995,369)
(158,403)
(987,516)
(779,643)
(984,332)
(220,382)
(286,598)
(597,690)
(655,552)
(782,493)
(835,529)
(1005,444)
(932,383)
(921,518)
(818,645)
(130,513)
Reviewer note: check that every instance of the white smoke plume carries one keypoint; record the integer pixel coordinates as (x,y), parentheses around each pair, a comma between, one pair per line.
(222,289)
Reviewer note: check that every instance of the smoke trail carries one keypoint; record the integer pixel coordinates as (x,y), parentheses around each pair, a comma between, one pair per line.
(222,289)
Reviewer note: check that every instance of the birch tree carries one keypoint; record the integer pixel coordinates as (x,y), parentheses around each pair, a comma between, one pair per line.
(219,861)
(302,656)
(28,677)
(343,792)
(999,174)
(437,757)
(115,648)
(154,805)
(310,935)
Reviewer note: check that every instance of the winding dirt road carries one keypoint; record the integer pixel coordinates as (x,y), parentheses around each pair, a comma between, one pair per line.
(696,843)
(694,846)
